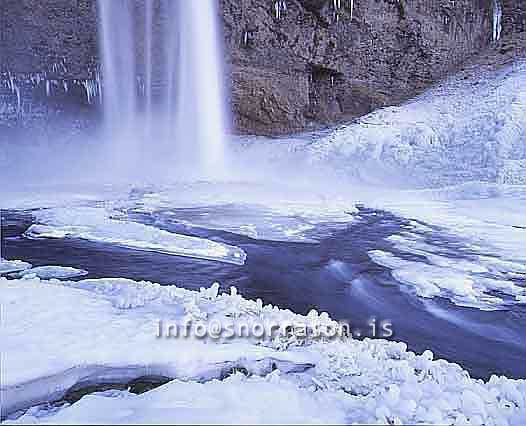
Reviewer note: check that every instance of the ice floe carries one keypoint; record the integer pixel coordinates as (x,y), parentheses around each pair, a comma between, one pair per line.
(9,266)
(105,330)
(458,280)
(256,211)
(97,224)
(48,272)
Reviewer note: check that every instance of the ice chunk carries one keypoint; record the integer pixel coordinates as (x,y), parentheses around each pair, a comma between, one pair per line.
(8,266)
(454,279)
(48,272)
(96,224)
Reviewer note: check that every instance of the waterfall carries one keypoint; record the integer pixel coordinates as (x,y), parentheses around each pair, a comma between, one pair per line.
(163,91)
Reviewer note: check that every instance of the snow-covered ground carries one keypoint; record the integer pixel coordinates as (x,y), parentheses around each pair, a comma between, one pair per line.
(106,330)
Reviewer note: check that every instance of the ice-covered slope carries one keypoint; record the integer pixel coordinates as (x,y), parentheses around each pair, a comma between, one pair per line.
(470,127)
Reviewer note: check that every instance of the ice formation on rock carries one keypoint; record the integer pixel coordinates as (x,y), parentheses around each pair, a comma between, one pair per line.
(497,20)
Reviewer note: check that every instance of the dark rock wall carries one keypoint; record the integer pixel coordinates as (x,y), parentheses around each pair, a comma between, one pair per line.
(312,65)
(36,34)
(317,64)
(514,19)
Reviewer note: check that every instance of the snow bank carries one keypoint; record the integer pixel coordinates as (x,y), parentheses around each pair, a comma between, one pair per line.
(236,400)
(467,128)
(97,224)
(103,328)
(488,217)
(107,330)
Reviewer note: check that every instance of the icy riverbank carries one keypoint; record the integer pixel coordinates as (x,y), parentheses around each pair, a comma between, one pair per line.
(105,330)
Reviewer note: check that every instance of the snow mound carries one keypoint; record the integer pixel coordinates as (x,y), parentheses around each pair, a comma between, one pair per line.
(48,272)
(97,224)
(235,400)
(106,329)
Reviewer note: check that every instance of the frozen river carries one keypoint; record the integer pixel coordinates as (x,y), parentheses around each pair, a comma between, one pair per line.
(332,271)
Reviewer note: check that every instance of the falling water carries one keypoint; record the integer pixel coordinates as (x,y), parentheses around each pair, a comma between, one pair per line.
(163,92)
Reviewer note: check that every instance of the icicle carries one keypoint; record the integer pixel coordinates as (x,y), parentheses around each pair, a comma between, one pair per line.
(18,100)
(352,8)
(280,6)
(497,20)
(12,82)
(337,5)
(91,90)
(98,80)
(48,88)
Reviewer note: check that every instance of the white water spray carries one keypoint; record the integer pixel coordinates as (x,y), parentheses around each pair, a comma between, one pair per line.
(178,119)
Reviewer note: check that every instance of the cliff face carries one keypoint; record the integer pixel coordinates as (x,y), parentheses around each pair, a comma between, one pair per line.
(319,64)
(294,64)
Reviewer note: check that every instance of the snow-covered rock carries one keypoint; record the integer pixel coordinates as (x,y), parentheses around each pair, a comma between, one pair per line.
(465,129)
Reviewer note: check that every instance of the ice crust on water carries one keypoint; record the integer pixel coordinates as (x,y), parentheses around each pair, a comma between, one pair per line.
(97,224)
(48,272)
(481,282)
(9,266)
(255,211)
(106,329)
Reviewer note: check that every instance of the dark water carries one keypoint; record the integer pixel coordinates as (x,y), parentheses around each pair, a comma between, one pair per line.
(335,275)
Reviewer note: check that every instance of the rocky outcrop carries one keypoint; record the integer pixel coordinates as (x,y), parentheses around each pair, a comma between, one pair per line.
(294,64)
(316,63)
